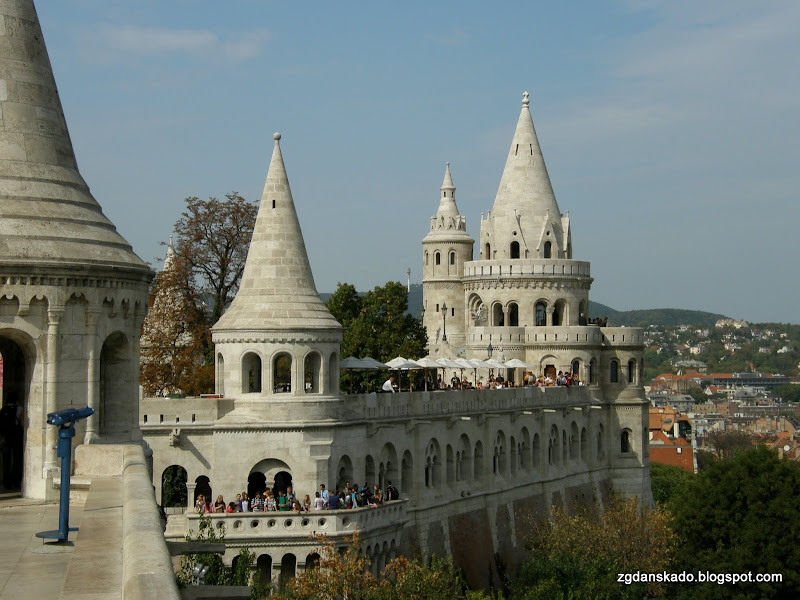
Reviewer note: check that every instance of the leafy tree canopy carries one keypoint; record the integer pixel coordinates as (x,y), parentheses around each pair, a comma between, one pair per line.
(375,323)
(668,481)
(739,516)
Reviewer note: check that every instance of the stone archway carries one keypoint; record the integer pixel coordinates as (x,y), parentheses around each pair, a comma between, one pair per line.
(16,372)
(115,384)
(277,475)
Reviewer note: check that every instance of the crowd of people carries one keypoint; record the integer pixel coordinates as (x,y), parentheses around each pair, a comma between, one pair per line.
(456,383)
(348,497)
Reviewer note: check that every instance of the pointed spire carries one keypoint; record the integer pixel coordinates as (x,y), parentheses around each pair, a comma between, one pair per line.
(447,202)
(169,257)
(448,221)
(447,184)
(525,184)
(277,290)
(47,214)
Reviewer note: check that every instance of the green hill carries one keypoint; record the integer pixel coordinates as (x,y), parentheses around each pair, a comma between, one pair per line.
(630,318)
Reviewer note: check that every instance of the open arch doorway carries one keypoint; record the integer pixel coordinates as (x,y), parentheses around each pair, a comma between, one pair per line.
(15,372)
(270,473)
(115,384)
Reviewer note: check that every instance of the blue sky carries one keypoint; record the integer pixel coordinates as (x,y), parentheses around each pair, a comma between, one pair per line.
(670,128)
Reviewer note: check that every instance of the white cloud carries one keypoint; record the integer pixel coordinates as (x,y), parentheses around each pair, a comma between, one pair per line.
(130,39)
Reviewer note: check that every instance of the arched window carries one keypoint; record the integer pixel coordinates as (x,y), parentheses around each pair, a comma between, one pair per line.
(333,374)
(559,313)
(477,463)
(540,315)
(631,371)
(547,249)
(593,371)
(488,253)
(282,374)
(115,374)
(311,373)
(498,318)
(625,441)
(452,258)
(513,251)
(426,258)
(576,366)
(437,259)
(220,378)
(513,315)
(173,487)
(251,373)
(613,371)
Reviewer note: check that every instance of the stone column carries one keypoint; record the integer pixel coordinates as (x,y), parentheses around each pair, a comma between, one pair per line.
(549,310)
(54,314)
(93,377)
(190,487)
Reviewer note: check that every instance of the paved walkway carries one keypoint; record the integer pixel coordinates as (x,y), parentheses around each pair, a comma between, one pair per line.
(30,569)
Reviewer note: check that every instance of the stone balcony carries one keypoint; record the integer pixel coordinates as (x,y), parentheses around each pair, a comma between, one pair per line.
(159,414)
(292,528)
(578,335)
(526,267)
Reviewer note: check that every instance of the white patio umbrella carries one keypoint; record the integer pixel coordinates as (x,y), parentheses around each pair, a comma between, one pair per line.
(401,364)
(371,363)
(516,363)
(351,362)
(427,363)
(468,364)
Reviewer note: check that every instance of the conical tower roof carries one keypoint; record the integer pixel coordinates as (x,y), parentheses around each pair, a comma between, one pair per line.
(525,184)
(277,291)
(448,221)
(48,217)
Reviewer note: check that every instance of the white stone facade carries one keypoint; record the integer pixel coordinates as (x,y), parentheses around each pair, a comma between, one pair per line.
(72,292)
(473,467)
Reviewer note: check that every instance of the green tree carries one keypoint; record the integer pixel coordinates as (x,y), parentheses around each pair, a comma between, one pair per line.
(697,393)
(212,238)
(788,392)
(579,554)
(667,481)
(376,325)
(741,516)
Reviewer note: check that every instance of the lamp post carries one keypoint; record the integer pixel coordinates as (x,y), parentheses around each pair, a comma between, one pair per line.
(444,322)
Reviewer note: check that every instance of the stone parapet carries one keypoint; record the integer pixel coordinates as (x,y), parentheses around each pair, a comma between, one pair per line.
(526,267)
(296,529)
(147,570)
(358,408)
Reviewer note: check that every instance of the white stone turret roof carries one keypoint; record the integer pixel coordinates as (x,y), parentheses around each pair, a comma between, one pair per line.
(277,291)
(525,184)
(48,217)
(448,222)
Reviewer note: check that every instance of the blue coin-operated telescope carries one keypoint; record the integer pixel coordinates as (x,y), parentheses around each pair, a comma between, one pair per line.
(65,420)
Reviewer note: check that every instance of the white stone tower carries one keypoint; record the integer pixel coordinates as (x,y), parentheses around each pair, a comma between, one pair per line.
(72,292)
(444,251)
(277,337)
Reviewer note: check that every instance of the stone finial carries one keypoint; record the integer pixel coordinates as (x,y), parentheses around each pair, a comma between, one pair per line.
(526,99)
(276,136)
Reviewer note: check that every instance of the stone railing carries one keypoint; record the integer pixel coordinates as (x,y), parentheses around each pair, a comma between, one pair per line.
(294,527)
(526,267)
(147,570)
(404,405)
(571,335)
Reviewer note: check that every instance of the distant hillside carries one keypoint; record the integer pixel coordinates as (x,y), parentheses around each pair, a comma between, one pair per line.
(629,318)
